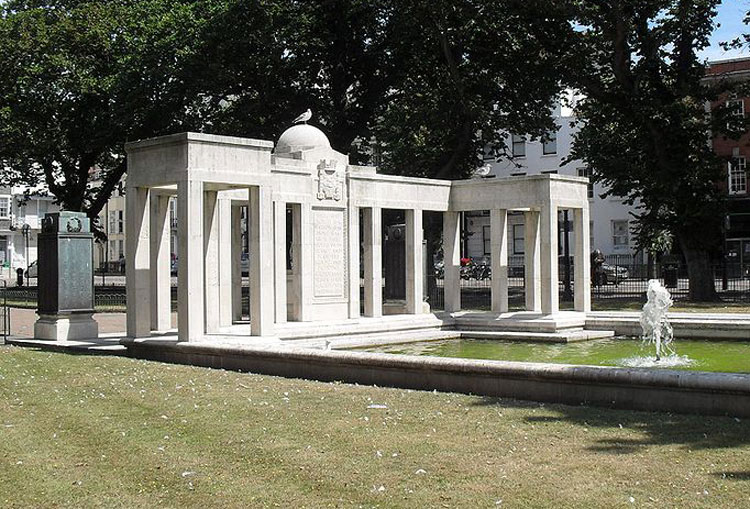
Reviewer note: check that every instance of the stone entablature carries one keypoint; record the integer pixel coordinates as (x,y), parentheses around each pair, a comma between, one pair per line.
(213,176)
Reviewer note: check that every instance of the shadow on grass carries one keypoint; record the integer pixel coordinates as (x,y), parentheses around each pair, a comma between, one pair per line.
(692,432)
(733,476)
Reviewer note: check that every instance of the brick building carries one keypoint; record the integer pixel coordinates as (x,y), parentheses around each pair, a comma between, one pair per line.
(737,154)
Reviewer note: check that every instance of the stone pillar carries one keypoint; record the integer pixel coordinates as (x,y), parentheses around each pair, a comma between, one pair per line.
(260,230)
(532,273)
(581,260)
(279,261)
(373,261)
(499,255)
(225,263)
(303,225)
(414,262)
(236,266)
(550,277)
(137,262)
(66,278)
(161,264)
(212,300)
(452,261)
(353,261)
(190,310)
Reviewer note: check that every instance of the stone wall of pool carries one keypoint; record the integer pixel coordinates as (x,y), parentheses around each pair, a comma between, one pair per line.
(626,388)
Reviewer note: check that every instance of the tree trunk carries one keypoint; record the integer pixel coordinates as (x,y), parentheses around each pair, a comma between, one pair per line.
(700,275)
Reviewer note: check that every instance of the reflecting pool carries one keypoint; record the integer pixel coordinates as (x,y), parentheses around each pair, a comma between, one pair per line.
(690,354)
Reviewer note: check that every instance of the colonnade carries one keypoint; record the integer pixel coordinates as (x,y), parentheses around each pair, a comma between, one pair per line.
(209,268)
(541,283)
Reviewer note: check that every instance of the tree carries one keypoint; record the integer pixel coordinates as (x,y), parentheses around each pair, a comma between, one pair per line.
(483,68)
(82,78)
(644,129)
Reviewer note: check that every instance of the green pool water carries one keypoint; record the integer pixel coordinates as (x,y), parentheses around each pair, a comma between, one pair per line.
(697,355)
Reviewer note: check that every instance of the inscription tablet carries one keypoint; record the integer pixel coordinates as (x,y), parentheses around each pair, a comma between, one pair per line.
(75,287)
(329,253)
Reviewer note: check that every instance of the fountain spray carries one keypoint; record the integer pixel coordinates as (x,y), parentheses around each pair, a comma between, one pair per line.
(654,322)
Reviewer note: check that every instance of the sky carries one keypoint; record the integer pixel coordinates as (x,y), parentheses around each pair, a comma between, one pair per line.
(730,16)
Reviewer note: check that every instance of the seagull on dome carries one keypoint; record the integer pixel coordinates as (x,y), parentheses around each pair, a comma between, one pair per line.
(304,117)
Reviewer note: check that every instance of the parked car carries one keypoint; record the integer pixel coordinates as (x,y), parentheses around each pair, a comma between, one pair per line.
(33,270)
(614,273)
(245,264)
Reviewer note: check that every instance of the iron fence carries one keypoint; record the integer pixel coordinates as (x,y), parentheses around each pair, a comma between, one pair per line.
(4,313)
(619,282)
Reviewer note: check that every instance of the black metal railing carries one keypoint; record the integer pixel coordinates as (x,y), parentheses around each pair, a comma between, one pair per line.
(4,313)
(615,281)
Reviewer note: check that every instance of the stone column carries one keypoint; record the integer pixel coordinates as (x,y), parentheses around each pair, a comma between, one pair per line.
(303,225)
(499,255)
(137,259)
(452,261)
(414,262)
(581,260)
(353,261)
(225,263)
(212,300)
(161,277)
(550,277)
(260,230)
(279,262)
(235,263)
(190,310)
(373,261)
(532,273)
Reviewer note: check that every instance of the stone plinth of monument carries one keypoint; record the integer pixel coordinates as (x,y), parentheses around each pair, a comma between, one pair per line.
(66,278)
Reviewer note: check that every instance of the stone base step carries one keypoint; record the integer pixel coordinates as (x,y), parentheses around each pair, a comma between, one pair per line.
(685,325)
(521,321)
(567,336)
(374,339)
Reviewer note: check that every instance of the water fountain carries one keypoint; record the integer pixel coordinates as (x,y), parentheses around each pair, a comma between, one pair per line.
(654,322)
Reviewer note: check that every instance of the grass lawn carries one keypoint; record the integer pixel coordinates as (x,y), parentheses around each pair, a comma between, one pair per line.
(115,432)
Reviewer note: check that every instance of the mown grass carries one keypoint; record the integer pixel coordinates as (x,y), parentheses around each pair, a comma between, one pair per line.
(91,431)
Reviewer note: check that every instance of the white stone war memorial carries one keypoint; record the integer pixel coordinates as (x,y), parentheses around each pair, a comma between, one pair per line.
(316,285)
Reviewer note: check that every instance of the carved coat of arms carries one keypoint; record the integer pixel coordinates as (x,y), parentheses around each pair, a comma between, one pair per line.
(329,181)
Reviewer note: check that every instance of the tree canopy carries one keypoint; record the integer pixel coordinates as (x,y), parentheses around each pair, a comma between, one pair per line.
(82,78)
(427,85)
(644,124)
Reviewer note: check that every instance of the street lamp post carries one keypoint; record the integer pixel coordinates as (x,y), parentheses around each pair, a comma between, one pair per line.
(25,231)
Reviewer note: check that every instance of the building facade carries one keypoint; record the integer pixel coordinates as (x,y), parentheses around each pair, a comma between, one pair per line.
(20,224)
(735,154)
(609,223)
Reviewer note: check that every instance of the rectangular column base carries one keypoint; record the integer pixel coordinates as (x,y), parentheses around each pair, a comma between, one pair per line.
(66,327)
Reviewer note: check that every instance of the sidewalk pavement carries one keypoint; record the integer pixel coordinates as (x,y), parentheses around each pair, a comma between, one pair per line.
(22,322)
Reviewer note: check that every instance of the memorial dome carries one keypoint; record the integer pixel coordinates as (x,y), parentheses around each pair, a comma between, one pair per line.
(301,137)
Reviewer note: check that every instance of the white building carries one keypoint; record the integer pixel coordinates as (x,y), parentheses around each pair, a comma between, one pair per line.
(20,223)
(610,217)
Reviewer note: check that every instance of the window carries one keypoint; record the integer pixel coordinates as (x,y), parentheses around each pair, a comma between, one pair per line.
(737,176)
(518,174)
(620,233)
(518,239)
(120,221)
(4,207)
(549,143)
(519,146)
(486,239)
(736,107)
(585,172)
(549,172)
(592,246)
